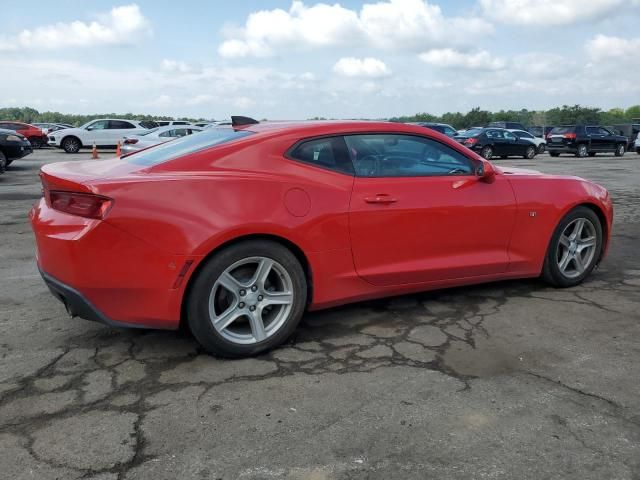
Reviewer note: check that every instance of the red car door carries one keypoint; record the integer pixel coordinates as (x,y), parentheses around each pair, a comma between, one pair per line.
(419,213)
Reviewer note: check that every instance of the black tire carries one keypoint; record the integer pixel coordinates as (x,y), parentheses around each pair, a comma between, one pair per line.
(197,300)
(638,151)
(551,272)
(35,142)
(71,144)
(3,162)
(542,148)
(554,154)
(620,149)
(530,152)
(582,151)
(487,152)
(592,154)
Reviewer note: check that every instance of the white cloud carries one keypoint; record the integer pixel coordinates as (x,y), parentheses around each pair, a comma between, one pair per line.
(121,26)
(392,24)
(603,47)
(449,58)
(175,66)
(540,13)
(361,67)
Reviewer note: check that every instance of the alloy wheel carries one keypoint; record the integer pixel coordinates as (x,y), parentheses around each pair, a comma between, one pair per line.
(582,151)
(576,247)
(251,300)
(487,153)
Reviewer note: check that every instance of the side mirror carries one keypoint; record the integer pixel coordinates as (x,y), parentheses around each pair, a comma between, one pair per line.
(485,172)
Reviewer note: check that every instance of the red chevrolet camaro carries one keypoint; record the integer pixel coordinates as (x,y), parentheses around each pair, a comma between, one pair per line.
(237,231)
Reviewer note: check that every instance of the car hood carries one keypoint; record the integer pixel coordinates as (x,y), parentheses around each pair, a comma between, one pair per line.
(67,131)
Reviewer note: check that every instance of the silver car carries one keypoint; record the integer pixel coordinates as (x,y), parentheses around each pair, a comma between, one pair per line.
(156,136)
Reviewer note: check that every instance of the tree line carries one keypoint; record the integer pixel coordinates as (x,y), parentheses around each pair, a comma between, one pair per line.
(567,114)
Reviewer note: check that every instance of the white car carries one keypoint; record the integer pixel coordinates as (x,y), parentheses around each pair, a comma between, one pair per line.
(103,133)
(167,123)
(637,144)
(540,143)
(156,136)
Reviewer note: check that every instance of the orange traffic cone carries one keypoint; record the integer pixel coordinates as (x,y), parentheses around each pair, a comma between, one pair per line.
(118,152)
(94,152)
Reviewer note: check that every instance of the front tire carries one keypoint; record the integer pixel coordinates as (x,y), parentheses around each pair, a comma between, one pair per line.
(620,149)
(541,148)
(246,299)
(530,152)
(71,145)
(574,249)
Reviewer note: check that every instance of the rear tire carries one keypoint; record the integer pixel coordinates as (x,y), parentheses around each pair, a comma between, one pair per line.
(35,142)
(541,148)
(620,149)
(583,151)
(230,308)
(487,152)
(71,145)
(561,267)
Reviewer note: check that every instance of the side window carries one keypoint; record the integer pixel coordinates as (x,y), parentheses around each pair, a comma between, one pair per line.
(450,132)
(99,125)
(495,134)
(604,131)
(180,132)
(329,152)
(593,130)
(168,134)
(394,155)
(509,136)
(120,125)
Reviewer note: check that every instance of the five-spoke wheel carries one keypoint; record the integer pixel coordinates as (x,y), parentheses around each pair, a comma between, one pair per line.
(574,249)
(247,298)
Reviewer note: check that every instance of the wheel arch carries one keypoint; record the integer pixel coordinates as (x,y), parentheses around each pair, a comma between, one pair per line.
(62,140)
(603,223)
(285,242)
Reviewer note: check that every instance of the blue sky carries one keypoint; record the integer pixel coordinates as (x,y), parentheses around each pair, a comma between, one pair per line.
(300,59)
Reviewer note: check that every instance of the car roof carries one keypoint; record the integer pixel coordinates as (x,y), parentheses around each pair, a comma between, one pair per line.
(327,127)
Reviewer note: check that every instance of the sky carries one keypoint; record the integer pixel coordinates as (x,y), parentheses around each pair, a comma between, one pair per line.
(301,59)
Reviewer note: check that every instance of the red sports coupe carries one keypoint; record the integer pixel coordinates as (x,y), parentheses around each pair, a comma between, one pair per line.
(237,231)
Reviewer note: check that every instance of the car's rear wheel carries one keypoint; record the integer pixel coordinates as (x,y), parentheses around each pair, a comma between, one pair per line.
(35,142)
(487,152)
(541,148)
(71,145)
(530,152)
(247,298)
(3,162)
(583,151)
(620,149)
(574,249)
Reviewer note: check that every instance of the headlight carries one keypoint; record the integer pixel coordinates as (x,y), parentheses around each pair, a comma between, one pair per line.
(13,138)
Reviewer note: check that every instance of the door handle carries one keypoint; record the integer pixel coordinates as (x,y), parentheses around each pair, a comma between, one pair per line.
(382,198)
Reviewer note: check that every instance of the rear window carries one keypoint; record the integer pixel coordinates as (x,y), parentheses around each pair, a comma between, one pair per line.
(185,145)
(562,130)
(473,132)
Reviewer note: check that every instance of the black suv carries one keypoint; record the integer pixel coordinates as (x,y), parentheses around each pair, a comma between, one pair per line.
(583,140)
(507,125)
(448,130)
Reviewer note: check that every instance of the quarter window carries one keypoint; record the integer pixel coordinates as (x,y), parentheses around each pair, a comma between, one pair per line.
(120,125)
(393,155)
(329,152)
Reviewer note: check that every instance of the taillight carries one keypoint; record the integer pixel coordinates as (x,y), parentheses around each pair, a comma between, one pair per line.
(471,141)
(570,136)
(130,141)
(81,204)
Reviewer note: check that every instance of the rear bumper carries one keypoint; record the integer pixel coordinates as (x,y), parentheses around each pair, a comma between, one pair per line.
(104,274)
(78,305)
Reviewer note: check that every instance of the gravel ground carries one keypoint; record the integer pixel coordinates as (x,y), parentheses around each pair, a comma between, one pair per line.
(506,380)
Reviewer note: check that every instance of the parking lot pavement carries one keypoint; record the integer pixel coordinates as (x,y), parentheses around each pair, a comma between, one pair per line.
(507,380)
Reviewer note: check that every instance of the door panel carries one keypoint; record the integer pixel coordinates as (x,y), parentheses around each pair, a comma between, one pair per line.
(425,229)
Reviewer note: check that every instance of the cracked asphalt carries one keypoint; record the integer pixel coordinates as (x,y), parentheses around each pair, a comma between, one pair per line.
(506,380)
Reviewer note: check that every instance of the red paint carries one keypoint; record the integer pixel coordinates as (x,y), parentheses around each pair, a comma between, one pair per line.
(362,237)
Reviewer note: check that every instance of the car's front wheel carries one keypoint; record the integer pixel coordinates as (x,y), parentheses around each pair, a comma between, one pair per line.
(71,145)
(574,248)
(541,148)
(247,298)
(530,152)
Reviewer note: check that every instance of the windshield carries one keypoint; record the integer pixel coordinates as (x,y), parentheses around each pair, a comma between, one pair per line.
(473,132)
(185,145)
